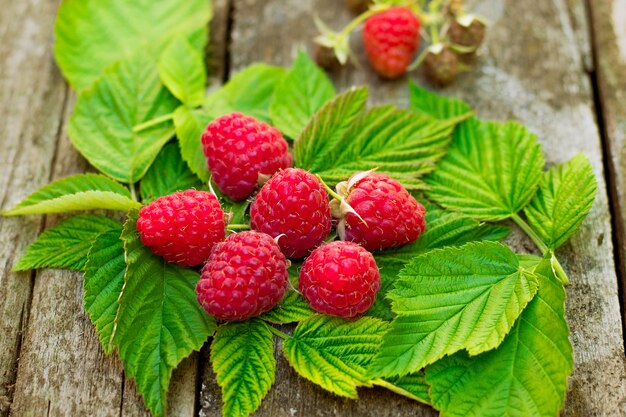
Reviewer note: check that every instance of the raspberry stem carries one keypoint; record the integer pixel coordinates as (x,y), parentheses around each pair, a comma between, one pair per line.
(238,227)
(329,190)
(393,388)
(278,333)
(152,122)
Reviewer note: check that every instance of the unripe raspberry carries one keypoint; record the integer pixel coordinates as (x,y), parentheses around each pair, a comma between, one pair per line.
(246,275)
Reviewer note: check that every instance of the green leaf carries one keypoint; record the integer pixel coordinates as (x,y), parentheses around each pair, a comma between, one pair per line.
(491,171)
(322,135)
(452,299)
(443,229)
(189,127)
(334,353)
(182,71)
(301,93)
(292,308)
(78,192)
(413,386)
(159,322)
(66,245)
(242,355)
(564,198)
(168,174)
(250,91)
(101,128)
(434,105)
(104,280)
(91,35)
(526,376)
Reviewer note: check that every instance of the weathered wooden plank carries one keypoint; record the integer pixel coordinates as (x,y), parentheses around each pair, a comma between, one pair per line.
(535,76)
(609,35)
(63,370)
(31,103)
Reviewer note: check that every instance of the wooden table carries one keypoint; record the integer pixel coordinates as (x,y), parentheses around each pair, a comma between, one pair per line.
(558,66)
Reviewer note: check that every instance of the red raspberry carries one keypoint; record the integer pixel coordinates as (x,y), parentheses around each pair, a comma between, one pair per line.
(239,150)
(182,227)
(340,278)
(246,275)
(295,204)
(384,214)
(391,38)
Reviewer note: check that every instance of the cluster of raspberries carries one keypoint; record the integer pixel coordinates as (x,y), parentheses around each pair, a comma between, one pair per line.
(245,274)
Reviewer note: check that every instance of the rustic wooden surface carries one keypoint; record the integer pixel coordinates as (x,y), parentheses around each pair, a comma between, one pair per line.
(539,67)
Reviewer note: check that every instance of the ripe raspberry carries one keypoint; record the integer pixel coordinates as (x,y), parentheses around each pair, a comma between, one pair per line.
(246,275)
(239,150)
(295,204)
(340,278)
(381,213)
(182,227)
(391,38)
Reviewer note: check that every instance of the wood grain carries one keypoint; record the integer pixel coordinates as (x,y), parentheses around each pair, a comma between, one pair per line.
(535,76)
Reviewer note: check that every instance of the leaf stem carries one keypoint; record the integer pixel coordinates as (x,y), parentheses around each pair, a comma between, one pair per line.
(531,233)
(393,388)
(278,333)
(558,270)
(133,192)
(238,227)
(153,122)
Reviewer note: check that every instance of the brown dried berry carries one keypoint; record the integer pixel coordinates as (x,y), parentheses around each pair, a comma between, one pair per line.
(358,6)
(441,66)
(326,58)
(470,36)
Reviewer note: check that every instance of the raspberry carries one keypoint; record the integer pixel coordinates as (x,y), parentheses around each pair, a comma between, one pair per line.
(340,278)
(441,65)
(382,214)
(246,275)
(391,38)
(240,150)
(182,227)
(293,203)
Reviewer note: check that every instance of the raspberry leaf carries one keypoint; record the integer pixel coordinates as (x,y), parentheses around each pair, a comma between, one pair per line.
(77,192)
(565,196)
(445,228)
(168,174)
(413,386)
(322,136)
(67,244)
(189,127)
(250,91)
(292,308)
(434,105)
(101,128)
(242,355)
(491,170)
(334,353)
(526,376)
(299,95)
(159,322)
(104,278)
(91,35)
(452,299)
(182,71)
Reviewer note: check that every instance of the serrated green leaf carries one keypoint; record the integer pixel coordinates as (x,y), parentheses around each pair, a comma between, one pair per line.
(104,279)
(168,174)
(242,355)
(159,322)
(292,308)
(182,71)
(435,105)
(66,245)
(334,353)
(189,127)
(299,95)
(323,133)
(91,35)
(564,198)
(491,170)
(443,229)
(101,128)
(413,386)
(249,91)
(452,299)
(526,376)
(78,192)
